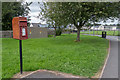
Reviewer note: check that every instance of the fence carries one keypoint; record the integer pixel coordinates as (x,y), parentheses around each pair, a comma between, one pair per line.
(6,34)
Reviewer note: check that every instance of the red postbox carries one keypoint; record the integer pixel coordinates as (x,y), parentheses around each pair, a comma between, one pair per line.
(19,25)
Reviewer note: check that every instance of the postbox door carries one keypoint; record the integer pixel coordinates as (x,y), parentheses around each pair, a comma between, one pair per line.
(23,30)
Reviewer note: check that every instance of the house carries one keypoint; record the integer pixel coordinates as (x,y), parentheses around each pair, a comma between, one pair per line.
(34,24)
(104,27)
(39,25)
(85,28)
(37,30)
(95,28)
(111,27)
(101,27)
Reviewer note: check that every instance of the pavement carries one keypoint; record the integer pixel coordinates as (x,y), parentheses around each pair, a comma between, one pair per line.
(41,74)
(44,74)
(112,38)
(110,70)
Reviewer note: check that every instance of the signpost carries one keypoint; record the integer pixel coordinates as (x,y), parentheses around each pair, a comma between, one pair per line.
(19,26)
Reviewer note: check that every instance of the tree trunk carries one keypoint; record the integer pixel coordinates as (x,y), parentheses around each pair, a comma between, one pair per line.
(70,31)
(55,32)
(93,33)
(114,33)
(97,31)
(78,35)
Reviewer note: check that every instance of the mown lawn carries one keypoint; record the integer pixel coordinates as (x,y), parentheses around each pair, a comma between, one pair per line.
(60,54)
(0,59)
(111,33)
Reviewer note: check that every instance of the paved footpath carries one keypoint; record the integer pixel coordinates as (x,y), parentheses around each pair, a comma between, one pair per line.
(111,68)
(44,74)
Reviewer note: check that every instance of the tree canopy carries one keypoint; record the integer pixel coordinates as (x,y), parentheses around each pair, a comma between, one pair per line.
(13,9)
(79,13)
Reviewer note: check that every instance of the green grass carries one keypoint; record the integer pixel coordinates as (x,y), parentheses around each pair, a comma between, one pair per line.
(111,33)
(60,54)
(0,58)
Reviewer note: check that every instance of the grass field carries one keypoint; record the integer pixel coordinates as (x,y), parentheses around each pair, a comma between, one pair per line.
(0,59)
(111,33)
(60,54)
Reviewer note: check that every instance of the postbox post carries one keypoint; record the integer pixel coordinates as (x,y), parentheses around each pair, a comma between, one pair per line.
(21,64)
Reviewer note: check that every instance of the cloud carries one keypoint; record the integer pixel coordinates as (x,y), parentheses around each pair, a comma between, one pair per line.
(33,17)
(34,14)
(34,0)
(34,7)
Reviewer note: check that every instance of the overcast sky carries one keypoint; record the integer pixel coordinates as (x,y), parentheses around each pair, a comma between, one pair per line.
(34,7)
(35,12)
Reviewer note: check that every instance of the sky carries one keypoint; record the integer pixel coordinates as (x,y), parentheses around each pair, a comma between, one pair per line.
(35,10)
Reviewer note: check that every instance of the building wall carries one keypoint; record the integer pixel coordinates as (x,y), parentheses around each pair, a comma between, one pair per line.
(37,32)
(51,32)
(105,28)
(33,32)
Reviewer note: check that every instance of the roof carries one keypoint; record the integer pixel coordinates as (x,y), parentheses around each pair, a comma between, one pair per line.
(110,25)
(39,25)
(96,26)
(35,24)
(43,25)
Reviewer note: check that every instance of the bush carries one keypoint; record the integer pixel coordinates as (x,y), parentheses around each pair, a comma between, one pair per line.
(50,35)
(118,33)
(58,32)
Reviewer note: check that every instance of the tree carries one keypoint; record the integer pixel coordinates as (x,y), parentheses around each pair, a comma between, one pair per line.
(79,13)
(13,9)
(50,16)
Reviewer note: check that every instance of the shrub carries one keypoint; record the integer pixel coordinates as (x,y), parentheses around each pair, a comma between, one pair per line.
(58,32)
(50,35)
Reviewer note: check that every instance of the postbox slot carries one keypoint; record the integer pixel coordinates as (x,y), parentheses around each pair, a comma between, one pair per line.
(23,23)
